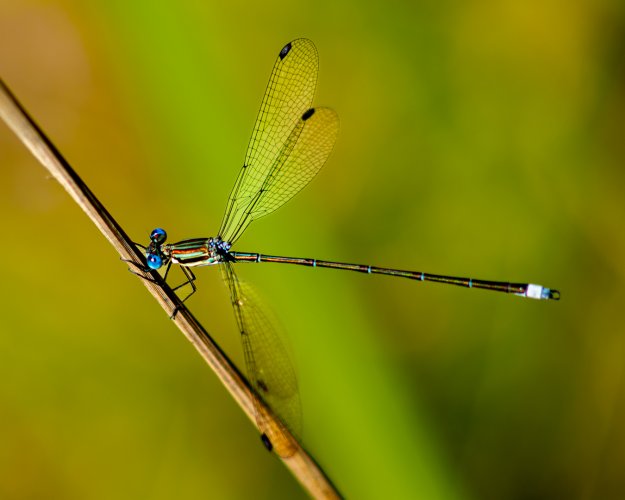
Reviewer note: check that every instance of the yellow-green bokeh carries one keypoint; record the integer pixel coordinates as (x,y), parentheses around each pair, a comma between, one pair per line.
(477,138)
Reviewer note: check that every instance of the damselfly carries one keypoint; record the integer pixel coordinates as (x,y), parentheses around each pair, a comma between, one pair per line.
(290,143)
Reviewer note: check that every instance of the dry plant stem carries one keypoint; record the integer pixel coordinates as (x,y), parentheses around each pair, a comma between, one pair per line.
(301,464)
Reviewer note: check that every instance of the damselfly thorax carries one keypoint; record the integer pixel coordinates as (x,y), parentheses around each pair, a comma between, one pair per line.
(193,252)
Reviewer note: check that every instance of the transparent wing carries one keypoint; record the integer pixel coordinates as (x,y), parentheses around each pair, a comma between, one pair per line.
(269,369)
(280,123)
(302,156)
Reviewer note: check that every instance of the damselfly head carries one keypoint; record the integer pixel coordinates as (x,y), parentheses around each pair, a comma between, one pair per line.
(154,255)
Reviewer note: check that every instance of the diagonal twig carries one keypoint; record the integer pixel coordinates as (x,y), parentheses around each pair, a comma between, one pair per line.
(301,464)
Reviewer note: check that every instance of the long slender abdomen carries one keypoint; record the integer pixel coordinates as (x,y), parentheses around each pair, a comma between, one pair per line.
(522,289)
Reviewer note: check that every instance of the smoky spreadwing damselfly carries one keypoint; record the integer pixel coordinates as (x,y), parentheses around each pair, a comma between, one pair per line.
(290,143)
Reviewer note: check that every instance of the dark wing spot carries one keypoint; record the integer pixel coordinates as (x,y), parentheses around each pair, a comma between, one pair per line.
(266,442)
(285,50)
(308,114)
(262,385)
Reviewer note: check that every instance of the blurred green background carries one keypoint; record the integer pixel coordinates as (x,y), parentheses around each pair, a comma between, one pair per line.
(479,138)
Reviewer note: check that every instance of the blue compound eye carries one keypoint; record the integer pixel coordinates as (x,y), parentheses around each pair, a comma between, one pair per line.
(154,261)
(158,236)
